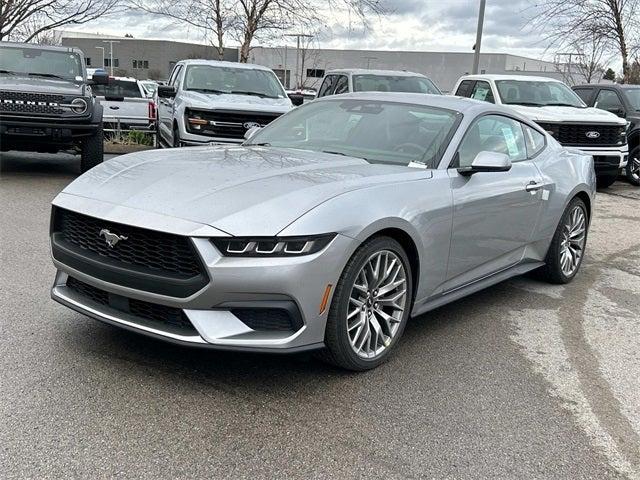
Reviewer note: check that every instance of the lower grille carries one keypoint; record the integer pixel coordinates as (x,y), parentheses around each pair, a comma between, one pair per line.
(603,161)
(584,134)
(161,314)
(267,319)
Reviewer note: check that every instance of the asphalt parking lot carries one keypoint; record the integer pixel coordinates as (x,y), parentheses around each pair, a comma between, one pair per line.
(523,380)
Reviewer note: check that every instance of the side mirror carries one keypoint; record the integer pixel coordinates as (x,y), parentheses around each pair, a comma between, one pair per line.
(166,91)
(251,132)
(487,162)
(296,98)
(99,78)
(618,111)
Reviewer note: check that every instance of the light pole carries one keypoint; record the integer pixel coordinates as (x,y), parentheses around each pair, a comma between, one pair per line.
(369,61)
(111,42)
(476,53)
(298,36)
(102,48)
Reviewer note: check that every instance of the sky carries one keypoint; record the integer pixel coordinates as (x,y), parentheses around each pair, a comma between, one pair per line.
(427,25)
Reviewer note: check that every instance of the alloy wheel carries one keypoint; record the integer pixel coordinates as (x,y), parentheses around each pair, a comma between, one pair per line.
(574,236)
(634,167)
(376,304)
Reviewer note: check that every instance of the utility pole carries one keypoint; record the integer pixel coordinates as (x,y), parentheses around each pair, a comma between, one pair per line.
(476,53)
(111,42)
(567,74)
(102,48)
(298,37)
(284,77)
(369,61)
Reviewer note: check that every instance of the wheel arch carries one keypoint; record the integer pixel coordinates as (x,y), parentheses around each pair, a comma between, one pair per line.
(584,196)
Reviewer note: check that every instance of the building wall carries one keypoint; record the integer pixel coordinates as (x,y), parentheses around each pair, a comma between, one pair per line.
(444,68)
(160,55)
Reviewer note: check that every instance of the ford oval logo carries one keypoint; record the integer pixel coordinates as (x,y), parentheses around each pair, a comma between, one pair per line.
(249,125)
(592,134)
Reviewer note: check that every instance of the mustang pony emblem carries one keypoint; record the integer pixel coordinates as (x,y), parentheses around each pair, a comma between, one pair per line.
(111,238)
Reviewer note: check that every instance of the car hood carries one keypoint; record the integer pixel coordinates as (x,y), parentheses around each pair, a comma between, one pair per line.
(239,190)
(228,101)
(19,83)
(567,114)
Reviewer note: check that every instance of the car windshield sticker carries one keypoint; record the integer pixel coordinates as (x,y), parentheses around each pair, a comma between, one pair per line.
(510,138)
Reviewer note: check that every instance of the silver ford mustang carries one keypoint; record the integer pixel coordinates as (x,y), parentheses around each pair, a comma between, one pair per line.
(326,230)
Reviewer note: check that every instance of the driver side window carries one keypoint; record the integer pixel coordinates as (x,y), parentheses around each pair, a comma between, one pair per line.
(492,133)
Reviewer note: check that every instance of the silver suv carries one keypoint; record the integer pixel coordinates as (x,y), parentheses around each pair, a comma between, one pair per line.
(209,101)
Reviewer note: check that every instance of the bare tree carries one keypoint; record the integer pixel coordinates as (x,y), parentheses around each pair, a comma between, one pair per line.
(615,22)
(248,20)
(592,53)
(26,20)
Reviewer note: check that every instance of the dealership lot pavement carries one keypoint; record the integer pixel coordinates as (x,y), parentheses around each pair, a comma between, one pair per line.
(523,380)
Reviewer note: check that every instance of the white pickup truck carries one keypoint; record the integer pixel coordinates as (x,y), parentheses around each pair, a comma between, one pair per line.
(557,109)
(126,105)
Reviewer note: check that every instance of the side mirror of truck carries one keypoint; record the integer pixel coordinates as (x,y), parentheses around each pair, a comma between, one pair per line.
(166,91)
(99,78)
(296,98)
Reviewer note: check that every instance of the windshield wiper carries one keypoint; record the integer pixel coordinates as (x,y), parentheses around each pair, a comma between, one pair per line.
(263,144)
(8,72)
(526,104)
(255,94)
(560,104)
(342,153)
(207,90)
(47,75)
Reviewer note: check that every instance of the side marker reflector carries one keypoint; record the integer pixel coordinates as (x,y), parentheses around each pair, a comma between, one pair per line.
(325,299)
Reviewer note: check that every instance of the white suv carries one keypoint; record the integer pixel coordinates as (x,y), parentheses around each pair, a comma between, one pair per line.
(336,82)
(208,101)
(557,109)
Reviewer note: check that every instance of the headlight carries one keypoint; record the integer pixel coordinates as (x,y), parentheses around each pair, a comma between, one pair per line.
(77,105)
(271,246)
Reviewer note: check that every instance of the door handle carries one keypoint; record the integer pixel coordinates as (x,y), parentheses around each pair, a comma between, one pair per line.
(533,186)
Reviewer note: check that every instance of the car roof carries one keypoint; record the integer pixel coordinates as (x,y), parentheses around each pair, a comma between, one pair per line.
(364,71)
(618,86)
(224,63)
(125,79)
(526,78)
(40,47)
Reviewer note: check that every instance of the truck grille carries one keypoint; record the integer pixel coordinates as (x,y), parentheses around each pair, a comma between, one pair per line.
(228,123)
(144,259)
(582,135)
(38,103)
(168,316)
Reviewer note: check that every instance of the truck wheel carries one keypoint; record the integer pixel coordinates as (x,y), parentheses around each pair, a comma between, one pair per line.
(633,167)
(176,138)
(92,151)
(604,181)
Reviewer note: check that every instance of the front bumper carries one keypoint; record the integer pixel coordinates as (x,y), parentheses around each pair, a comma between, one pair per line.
(192,139)
(47,131)
(607,159)
(235,282)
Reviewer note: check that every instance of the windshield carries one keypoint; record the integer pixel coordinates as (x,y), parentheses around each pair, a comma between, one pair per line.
(537,94)
(633,95)
(150,87)
(386,83)
(241,81)
(117,88)
(38,62)
(379,132)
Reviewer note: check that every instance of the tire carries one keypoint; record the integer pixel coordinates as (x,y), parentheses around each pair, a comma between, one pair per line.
(92,151)
(339,350)
(633,167)
(606,180)
(553,271)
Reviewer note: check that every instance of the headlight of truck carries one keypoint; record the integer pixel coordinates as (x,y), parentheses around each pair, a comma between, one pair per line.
(77,105)
(271,246)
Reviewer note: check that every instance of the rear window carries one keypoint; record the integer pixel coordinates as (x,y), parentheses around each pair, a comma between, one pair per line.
(118,88)
(388,83)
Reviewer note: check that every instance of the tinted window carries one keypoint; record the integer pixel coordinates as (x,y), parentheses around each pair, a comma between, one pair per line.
(492,133)
(380,132)
(609,100)
(537,93)
(390,83)
(342,85)
(633,96)
(584,94)
(117,88)
(482,91)
(174,75)
(535,141)
(327,86)
(465,88)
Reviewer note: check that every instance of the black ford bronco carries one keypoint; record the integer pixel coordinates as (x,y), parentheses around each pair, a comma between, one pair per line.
(46,103)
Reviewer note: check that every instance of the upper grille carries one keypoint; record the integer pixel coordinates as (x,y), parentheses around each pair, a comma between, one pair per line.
(170,316)
(228,123)
(156,251)
(38,103)
(575,134)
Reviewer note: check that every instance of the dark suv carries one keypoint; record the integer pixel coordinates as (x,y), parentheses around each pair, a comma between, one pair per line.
(624,101)
(46,103)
